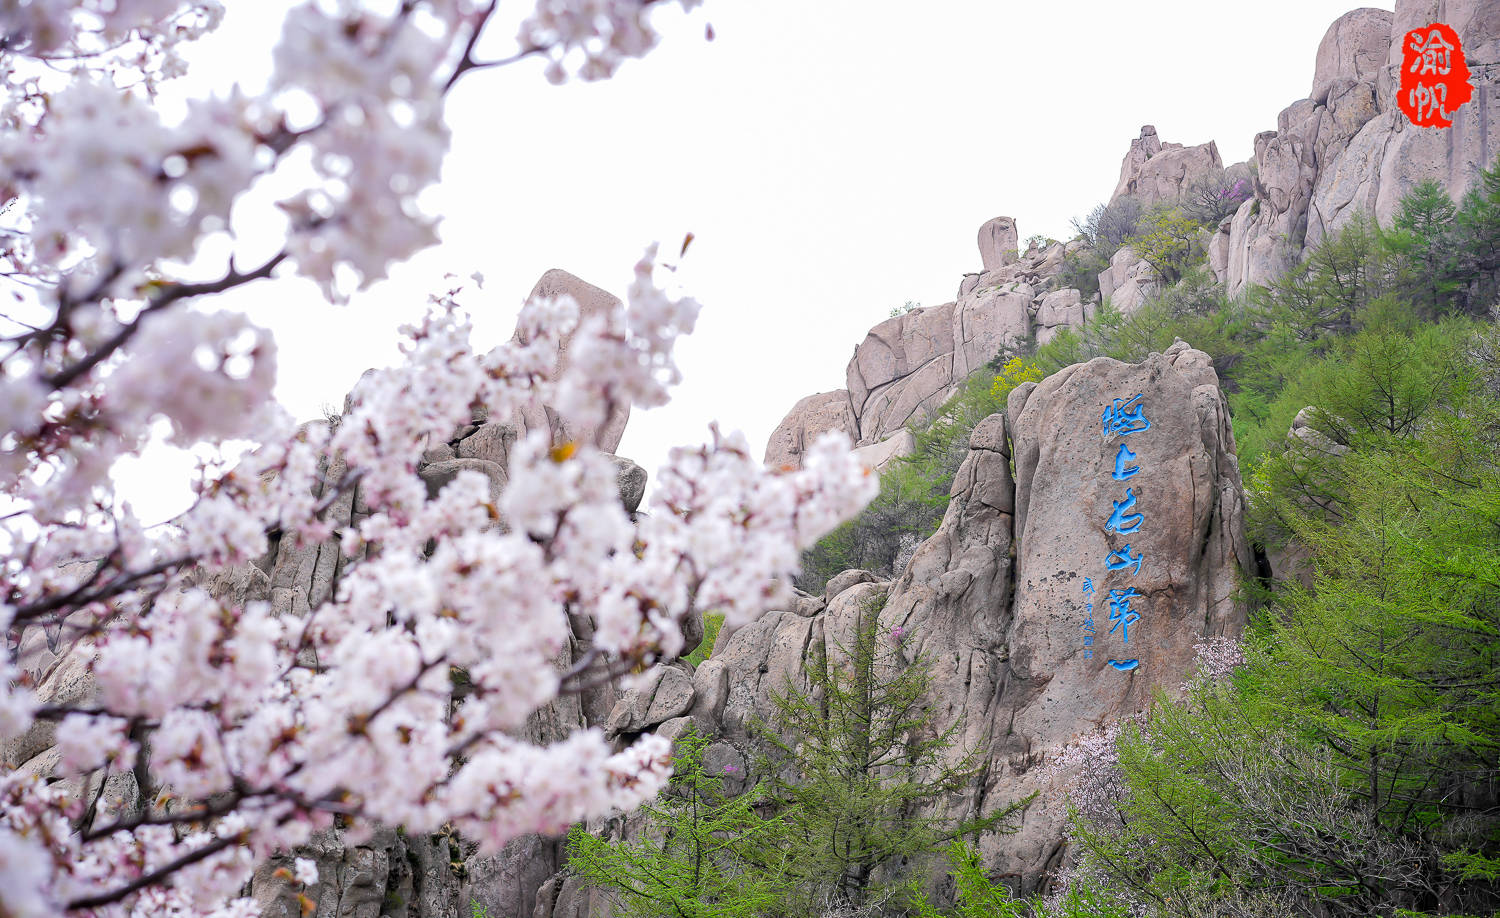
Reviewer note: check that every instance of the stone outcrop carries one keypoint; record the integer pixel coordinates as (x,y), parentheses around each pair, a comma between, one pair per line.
(879,456)
(392,874)
(592,301)
(1153,171)
(998,243)
(997,593)
(994,599)
(809,418)
(1128,281)
(1348,149)
(909,364)
(1354,48)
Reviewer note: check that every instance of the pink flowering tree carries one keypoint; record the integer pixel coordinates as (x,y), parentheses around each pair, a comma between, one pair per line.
(263,728)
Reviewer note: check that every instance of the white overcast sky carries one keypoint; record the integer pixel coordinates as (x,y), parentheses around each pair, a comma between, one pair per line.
(834,158)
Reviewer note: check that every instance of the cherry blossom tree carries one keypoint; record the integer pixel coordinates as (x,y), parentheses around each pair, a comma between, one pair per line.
(264,728)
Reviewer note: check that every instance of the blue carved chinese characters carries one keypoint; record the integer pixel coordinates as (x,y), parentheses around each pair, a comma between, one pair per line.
(1120,612)
(1122,522)
(1121,418)
(1122,559)
(1088,621)
(1125,417)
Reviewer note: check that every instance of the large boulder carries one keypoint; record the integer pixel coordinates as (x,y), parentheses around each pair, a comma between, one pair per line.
(1154,172)
(902,369)
(995,598)
(810,418)
(1353,48)
(987,319)
(998,241)
(879,456)
(662,693)
(592,301)
(1058,310)
(1128,281)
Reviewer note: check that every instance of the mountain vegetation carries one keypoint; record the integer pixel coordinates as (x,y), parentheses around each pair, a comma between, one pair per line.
(1344,758)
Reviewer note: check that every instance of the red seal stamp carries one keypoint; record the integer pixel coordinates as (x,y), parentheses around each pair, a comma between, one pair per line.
(1434,77)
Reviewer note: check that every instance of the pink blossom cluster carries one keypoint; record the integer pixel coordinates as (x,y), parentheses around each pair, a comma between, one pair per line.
(1217,658)
(590,38)
(1091,768)
(210,732)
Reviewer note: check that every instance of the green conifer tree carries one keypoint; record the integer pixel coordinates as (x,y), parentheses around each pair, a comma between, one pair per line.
(1421,238)
(1476,242)
(861,774)
(687,861)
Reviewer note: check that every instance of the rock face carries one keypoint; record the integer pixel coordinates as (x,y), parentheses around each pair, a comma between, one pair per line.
(809,418)
(1011,640)
(1347,148)
(879,456)
(908,365)
(393,875)
(1354,48)
(1128,281)
(995,598)
(998,243)
(1154,171)
(591,301)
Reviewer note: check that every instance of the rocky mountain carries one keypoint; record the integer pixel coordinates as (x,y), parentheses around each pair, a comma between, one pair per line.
(1094,533)
(1093,536)
(1347,148)
(908,365)
(1344,149)
(997,598)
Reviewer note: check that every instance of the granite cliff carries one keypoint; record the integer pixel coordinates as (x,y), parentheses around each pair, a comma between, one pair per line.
(1109,484)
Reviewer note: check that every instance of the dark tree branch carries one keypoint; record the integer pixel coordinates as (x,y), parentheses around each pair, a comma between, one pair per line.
(160,301)
(157,875)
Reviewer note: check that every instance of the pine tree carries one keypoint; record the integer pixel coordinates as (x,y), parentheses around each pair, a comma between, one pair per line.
(860,774)
(1421,238)
(687,861)
(1476,241)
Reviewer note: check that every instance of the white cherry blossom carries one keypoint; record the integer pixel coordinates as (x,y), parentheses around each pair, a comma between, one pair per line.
(252,724)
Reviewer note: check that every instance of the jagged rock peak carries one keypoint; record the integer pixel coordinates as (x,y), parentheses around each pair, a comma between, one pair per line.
(591,301)
(1348,148)
(998,243)
(1154,171)
(909,364)
(997,596)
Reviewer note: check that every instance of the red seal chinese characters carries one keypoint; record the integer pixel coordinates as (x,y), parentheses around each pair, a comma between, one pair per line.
(1434,77)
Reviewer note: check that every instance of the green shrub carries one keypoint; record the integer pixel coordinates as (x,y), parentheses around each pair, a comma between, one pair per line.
(914,489)
(712,622)
(1081,269)
(1169,240)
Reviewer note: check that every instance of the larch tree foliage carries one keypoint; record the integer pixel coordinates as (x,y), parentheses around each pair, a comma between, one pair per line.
(1474,243)
(1419,236)
(266,728)
(1348,767)
(861,775)
(688,860)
